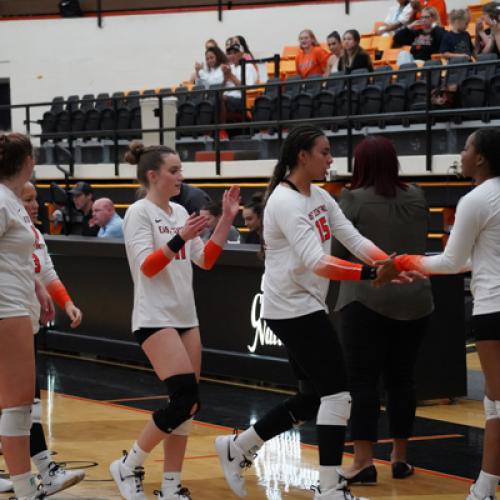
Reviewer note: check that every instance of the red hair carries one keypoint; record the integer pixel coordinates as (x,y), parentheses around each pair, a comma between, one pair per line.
(376,164)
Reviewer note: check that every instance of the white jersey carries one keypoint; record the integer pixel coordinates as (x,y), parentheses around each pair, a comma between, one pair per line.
(297,232)
(166,299)
(17,272)
(45,272)
(475,235)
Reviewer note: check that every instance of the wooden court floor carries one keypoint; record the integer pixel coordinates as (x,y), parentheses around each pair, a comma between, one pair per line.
(92,433)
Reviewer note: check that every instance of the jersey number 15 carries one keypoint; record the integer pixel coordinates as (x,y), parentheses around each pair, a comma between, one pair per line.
(323,229)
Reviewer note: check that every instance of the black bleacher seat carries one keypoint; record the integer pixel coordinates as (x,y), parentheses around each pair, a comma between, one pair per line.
(107,122)
(165,91)
(395,101)
(92,119)
(102,101)
(407,78)
(358,83)
(472,92)
(135,122)
(493,95)
(133,99)
(486,71)
(88,102)
(123,121)
(149,93)
(325,102)
(57,104)
(264,104)
(302,103)
(181,94)
(118,100)
(72,104)
(455,75)
(371,95)
(205,108)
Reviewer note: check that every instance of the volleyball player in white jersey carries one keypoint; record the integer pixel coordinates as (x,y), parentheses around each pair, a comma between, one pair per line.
(161,240)
(17,290)
(474,245)
(54,477)
(300,220)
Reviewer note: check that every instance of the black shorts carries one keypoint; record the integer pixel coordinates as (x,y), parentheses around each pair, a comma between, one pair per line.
(143,334)
(486,326)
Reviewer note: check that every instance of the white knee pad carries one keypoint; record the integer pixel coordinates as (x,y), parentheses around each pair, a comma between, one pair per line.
(36,411)
(184,429)
(491,408)
(16,421)
(334,409)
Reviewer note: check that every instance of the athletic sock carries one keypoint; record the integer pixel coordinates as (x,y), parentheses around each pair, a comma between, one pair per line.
(249,441)
(24,484)
(171,482)
(37,440)
(136,457)
(486,484)
(42,461)
(328,477)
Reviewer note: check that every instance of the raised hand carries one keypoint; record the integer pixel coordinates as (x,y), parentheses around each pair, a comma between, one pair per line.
(231,202)
(193,227)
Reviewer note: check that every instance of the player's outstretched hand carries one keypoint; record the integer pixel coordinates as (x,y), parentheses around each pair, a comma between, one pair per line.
(386,271)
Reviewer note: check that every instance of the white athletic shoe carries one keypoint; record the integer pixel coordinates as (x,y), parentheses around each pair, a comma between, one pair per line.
(38,496)
(129,481)
(341,492)
(57,478)
(180,494)
(233,462)
(5,485)
(474,496)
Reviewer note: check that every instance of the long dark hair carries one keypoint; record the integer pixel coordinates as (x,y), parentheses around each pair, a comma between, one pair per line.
(376,164)
(220,57)
(486,142)
(301,138)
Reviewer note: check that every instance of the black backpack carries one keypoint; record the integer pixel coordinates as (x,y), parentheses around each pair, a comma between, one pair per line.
(70,8)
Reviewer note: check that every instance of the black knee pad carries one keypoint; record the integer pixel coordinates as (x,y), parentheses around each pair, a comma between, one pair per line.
(182,391)
(304,405)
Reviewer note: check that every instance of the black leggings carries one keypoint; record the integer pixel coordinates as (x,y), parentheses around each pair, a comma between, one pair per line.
(316,359)
(376,346)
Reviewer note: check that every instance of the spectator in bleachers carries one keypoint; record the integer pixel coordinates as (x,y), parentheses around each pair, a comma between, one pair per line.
(457,42)
(311,58)
(211,43)
(233,102)
(210,73)
(488,39)
(193,199)
(240,40)
(425,41)
(398,17)
(354,57)
(334,43)
(83,199)
(105,216)
(439,5)
(252,216)
(213,212)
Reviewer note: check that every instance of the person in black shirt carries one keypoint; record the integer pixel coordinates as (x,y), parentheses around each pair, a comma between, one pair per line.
(193,199)
(457,42)
(426,41)
(83,199)
(354,57)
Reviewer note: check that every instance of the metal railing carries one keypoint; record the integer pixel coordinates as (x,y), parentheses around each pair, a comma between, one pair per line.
(349,120)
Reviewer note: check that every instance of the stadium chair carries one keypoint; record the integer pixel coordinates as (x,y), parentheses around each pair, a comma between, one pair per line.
(371,96)
(88,102)
(455,75)
(394,100)
(181,94)
(291,88)
(123,120)
(135,121)
(133,100)
(102,101)
(264,104)
(118,100)
(302,103)
(407,78)
(325,104)
(493,95)
(72,103)
(472,94)
(57,104)
(206,107)
(149,93)
(486,71)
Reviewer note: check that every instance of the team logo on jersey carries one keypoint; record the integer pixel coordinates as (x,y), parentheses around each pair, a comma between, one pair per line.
(264,336)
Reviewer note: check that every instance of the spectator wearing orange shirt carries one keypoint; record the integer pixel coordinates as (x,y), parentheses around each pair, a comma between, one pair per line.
(439,5)
(311,59)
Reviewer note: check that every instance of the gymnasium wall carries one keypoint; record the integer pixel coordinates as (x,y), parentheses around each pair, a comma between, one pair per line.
(48,57)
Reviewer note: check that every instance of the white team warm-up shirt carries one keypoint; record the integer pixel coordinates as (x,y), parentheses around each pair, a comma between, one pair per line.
(297,233)
(45,272)
(17,272)
(166,299)
(475,235)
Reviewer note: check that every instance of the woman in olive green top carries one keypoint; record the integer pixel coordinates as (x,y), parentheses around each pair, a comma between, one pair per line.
(382,328)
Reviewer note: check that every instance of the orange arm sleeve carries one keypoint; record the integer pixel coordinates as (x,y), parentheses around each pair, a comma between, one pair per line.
(336,269)
(410,263)
(211,253)
(154,263)
(58,293)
